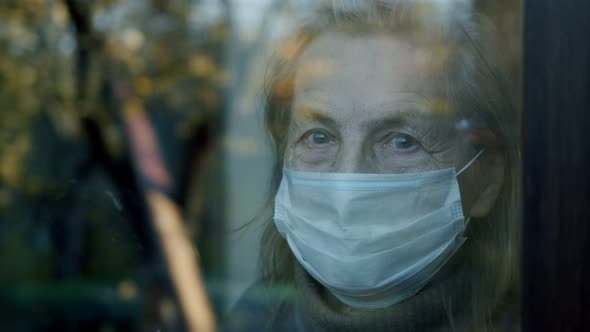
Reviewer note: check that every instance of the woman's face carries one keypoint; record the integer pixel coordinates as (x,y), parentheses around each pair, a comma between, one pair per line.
(370,105)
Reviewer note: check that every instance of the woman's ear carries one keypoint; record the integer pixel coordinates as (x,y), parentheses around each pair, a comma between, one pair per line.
(494,179)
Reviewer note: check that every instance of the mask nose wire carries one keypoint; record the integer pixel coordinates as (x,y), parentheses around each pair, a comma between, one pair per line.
(469,163)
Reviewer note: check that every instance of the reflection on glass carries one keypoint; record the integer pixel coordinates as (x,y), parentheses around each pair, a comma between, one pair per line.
(134,171)
(396,192)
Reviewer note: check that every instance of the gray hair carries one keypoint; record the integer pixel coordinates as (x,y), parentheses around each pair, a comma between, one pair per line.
(477,90)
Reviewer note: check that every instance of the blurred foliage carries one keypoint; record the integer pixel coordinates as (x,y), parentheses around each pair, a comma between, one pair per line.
(69,214)
(63,215)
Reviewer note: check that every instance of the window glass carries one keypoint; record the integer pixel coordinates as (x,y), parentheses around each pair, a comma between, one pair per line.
(260,165)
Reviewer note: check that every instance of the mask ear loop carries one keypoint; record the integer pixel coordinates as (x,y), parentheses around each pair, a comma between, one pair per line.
(469,163)
(467,220)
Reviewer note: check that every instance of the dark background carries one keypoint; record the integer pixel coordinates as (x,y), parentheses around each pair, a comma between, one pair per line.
(556,292)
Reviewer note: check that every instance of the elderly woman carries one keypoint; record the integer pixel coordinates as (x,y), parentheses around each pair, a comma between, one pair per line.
(396,178)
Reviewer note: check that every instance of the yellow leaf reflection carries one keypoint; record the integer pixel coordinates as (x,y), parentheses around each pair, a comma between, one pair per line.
(439,105)
(132,39)
(126,290)
(432,60)
(143,86)
(201,65)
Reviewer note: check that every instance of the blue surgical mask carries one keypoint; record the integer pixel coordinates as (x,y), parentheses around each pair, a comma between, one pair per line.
(372,240)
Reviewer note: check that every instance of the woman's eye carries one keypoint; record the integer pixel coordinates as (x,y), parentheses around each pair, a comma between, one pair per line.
(403,142)
(318,138)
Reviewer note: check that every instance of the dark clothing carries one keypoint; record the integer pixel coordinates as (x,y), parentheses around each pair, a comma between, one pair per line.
(301,307)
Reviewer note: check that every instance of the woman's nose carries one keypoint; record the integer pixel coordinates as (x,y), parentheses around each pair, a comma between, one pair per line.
(354,158)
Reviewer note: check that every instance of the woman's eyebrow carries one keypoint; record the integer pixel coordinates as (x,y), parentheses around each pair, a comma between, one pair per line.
(411,119)
(308,114)
(383,123)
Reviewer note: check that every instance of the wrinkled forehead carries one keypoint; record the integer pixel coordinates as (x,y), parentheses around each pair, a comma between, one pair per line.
(343,71)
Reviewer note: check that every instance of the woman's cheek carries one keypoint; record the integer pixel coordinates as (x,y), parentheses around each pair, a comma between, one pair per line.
(306,158)
(412,160)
